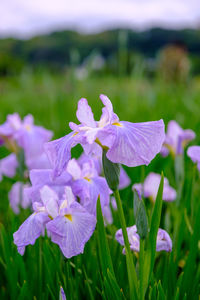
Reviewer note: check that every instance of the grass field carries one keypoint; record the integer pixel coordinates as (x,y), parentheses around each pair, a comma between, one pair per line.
(42,270)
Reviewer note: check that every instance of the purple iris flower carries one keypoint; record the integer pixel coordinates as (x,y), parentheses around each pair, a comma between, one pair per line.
(68,224)
(150,188)
(131,144)
(176,139)
(194,153)
(88,185)
(163,243)
(8,166)
(18,197)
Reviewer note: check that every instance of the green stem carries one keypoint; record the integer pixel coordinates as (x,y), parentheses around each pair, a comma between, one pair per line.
(132,276)
(141,266)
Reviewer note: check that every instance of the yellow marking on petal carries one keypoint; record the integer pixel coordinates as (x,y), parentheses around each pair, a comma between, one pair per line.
(88,179)
(50,217)
(117,124)
(28,127)
(69,217)
(75,133)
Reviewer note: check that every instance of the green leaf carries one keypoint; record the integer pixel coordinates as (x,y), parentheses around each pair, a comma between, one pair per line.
(161,294)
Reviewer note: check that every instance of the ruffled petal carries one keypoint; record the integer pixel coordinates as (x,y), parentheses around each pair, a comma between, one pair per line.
(136,143)
(71,233)
(194,153)
(30,230)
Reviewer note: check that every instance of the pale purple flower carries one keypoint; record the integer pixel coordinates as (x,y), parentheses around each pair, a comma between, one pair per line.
(18,198)
(8,166)
(150,188)
(68,224)
(176,139)
(163,242)
(194,153)
(131,144)
(88,185)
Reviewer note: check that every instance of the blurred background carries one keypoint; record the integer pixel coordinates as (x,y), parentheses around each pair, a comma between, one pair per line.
(144,54)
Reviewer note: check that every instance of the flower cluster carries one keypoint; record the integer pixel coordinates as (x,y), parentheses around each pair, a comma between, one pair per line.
(64,190)
(163,239)
(25,140)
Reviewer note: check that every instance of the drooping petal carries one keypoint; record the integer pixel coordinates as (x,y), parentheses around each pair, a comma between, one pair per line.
(84,113)
(30,230)
(72,232)
(50,200)
(8,166)
(136,143)
(17,197)
(59,152)
(194,153)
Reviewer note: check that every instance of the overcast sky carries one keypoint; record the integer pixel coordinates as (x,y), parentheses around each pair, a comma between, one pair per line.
(25,18)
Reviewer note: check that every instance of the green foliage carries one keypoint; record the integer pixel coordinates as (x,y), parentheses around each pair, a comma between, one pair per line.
(42,270)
